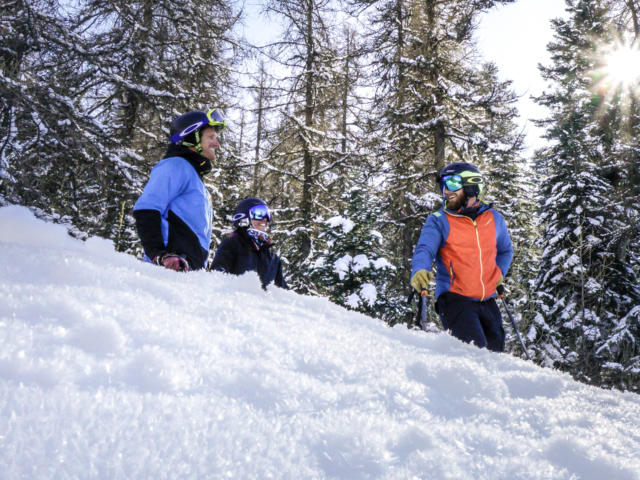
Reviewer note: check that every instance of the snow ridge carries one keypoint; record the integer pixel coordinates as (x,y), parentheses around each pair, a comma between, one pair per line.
(111,368)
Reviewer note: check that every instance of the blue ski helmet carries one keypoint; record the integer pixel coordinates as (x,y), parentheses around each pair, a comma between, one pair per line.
(186,129)
(250,208)
(461,175)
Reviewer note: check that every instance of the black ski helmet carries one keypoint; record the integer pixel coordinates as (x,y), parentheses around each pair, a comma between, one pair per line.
(472,181)
(241,215)
(185,129)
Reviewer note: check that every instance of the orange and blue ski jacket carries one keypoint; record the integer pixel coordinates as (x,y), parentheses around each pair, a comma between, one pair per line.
(470,254)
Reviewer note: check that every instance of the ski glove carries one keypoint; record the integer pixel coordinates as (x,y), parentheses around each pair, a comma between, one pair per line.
(172,261)
(420,280)
(500,287)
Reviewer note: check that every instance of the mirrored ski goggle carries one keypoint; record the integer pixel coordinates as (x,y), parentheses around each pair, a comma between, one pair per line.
(216,119)
(451,182)
(260,212)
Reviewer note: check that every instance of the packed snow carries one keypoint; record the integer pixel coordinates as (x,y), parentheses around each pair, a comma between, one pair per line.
(111,368)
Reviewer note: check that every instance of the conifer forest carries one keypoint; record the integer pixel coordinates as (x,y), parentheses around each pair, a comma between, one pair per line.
(340,124)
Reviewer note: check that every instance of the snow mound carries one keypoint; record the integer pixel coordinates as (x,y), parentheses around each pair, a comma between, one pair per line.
(112,368)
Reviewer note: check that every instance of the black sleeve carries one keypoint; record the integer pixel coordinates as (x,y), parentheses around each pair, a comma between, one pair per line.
(225,257)
(279,280)
(148,224)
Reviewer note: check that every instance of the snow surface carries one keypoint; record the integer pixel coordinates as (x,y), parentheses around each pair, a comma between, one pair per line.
(112,368)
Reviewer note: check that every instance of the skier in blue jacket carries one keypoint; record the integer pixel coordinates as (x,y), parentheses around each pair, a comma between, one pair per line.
(249,248)
(174,215)
(470,245)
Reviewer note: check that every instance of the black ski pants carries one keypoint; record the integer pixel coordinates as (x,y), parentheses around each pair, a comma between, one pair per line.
(472,321)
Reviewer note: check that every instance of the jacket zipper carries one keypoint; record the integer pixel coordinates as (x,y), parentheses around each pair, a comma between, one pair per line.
(475,225)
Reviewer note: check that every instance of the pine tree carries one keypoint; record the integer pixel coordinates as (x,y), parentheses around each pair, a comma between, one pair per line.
(584,289)
(432,106)
(55,153)
(510,186)
(103,99)
(352,270)
(154,61)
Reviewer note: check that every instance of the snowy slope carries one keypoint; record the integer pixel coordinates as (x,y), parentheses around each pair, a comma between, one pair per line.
(111,368)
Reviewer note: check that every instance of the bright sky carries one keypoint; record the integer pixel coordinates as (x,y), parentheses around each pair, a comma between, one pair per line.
(111,368)
(512,36)
(515,37)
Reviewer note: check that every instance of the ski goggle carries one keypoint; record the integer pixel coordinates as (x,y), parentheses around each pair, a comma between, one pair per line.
(216,119)
(451,182)
(260,212)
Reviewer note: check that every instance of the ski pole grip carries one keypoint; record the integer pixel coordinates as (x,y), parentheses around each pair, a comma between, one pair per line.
(424,292)
(500,290)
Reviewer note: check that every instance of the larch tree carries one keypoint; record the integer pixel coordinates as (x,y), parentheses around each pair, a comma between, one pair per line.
(304,147)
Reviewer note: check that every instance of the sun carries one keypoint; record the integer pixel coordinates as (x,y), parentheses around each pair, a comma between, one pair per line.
(615,80)
(623,65)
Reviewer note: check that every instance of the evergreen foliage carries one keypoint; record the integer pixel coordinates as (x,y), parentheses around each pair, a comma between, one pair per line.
(352,269)
(154,61)
(353,114)
(56,156)
(435,103)
(86,109)
(585,292)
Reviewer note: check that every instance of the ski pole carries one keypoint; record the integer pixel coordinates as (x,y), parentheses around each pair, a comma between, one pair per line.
(421,318)
(423,309)
(500,290)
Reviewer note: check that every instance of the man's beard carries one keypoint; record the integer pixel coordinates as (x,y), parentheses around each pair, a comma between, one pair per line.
(455,203)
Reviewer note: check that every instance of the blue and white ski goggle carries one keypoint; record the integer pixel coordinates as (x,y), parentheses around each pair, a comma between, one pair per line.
(260,212)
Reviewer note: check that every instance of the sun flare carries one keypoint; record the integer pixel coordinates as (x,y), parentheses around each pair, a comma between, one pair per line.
(623,65)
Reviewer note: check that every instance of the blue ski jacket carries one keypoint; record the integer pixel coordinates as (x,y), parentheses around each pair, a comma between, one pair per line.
(470,253)
(174,212)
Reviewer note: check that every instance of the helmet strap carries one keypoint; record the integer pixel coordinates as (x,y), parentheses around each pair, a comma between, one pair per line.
(194,146)
(198,145)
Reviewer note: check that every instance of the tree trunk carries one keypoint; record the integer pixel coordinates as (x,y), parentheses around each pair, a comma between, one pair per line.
(633,9)
(306,203)
(256,165)
(439,130)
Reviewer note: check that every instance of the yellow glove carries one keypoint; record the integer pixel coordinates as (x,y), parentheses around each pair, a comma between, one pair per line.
(420,280)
